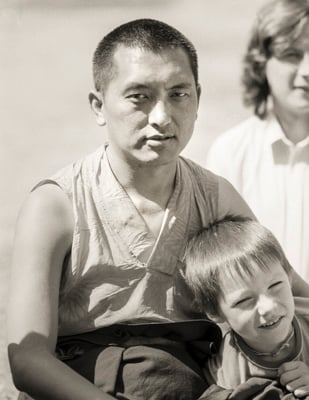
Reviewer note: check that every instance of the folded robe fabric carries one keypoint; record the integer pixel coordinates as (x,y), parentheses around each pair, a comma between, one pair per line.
(152,361)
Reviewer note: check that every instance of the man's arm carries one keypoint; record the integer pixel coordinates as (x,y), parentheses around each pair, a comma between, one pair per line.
(43,238)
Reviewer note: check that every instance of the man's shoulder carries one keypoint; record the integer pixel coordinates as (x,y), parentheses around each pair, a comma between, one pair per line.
(85,162)
(84,168)
(201,176)
(84,165)
(198,170)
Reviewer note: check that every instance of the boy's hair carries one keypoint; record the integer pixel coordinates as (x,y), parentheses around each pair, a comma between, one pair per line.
(278,24)
(228,249)
(147,34)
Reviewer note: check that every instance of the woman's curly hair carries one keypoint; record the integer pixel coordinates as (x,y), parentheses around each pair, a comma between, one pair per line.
(278,23)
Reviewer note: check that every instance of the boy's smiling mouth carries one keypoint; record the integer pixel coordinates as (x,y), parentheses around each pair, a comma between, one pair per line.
(272,323)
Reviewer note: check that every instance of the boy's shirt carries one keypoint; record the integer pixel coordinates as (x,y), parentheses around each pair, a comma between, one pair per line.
(231,366)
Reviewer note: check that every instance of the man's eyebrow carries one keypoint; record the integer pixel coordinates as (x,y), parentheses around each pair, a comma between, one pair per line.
(182,85)
(140,86)
(135,86)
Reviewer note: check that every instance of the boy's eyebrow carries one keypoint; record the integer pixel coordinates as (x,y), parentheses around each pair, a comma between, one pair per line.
(235,295)
(278,275)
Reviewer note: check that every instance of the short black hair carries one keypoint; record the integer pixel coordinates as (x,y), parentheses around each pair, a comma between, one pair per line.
(148,34)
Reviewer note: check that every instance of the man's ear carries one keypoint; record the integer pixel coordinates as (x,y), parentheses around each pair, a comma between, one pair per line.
(96,104)
(199,91)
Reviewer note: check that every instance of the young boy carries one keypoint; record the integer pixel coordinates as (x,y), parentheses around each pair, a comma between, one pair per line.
(240,276)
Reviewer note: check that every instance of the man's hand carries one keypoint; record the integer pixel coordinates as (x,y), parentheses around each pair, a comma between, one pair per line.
(294,375)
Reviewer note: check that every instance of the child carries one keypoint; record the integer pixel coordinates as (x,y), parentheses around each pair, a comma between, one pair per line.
(240,276)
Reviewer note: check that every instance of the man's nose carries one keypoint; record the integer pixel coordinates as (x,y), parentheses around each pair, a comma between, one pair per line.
(266,305)
(159,116)
(303,68)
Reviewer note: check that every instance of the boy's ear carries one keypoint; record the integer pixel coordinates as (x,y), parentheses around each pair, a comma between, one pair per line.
(290,277)
(96,103)
(216,318)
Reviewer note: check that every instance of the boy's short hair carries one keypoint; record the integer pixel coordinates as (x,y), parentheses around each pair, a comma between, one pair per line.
(278,24)
(148,34)
(227,249)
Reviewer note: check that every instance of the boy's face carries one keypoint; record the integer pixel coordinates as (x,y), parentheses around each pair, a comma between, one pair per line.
(259,308)
(150,105)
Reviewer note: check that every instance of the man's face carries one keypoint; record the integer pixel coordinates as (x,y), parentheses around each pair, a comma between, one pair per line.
(287,73)
(260,308)
(150,105)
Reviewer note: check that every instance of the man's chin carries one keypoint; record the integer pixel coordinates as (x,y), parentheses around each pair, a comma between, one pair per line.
(155,158)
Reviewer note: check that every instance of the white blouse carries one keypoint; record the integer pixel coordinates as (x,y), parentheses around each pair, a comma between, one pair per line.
(272,174)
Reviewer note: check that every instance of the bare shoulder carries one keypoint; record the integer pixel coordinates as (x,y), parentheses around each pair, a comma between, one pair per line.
(47,209)
(48,197)
(43,234)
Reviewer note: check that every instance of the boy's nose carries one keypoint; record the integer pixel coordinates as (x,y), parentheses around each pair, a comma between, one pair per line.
(266,305)
(303,68)
(159,116)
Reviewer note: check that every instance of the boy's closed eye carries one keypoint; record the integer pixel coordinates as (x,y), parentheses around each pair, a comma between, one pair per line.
(275,285)
(243,301)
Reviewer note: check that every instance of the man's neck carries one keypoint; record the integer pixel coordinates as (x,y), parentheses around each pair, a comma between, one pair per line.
(295,127)
(151,182)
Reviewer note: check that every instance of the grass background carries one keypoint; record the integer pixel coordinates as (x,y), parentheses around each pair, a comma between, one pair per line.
(45,76)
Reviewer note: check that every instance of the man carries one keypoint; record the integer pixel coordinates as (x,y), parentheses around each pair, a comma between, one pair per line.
(99,246)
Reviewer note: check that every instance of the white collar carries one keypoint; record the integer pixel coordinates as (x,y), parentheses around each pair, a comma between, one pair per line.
(274,133)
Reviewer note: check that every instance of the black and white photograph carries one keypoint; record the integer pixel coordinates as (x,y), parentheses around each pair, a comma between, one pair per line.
(154,215)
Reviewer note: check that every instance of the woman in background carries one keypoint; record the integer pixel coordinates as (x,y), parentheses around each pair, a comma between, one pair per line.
(266,157)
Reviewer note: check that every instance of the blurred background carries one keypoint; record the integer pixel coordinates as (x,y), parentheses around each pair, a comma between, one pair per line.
(46,48)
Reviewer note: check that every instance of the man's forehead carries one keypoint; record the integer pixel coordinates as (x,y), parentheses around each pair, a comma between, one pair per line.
(136,67)
(136,53)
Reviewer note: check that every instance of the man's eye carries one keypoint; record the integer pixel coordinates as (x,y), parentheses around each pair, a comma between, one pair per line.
(137,96)
(180,94)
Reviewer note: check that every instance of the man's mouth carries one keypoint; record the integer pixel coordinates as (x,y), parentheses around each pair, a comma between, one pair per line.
(160,138)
